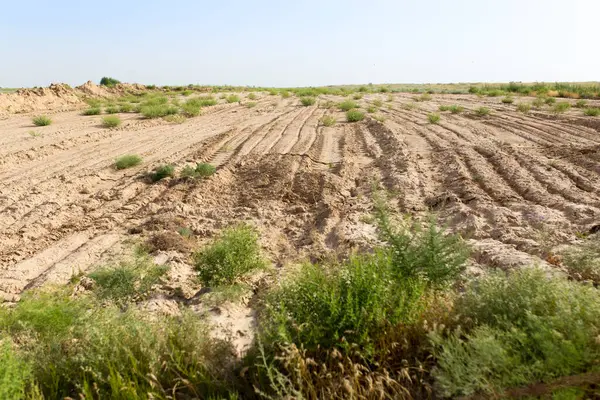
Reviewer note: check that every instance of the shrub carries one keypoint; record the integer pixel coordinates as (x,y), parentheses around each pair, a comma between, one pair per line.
(191,108)
(508,100)
(550,100)
(433,118)
(347,105)
(125,108)
(42,120)
(591,112)
(112,109)
(285,94)
(110,82)
(482,111)
(307,101)
(454,109)
(371,109)
(379,118)
(252,96)
(561,107)
(111,121)
(206,101)
(424,97)
(158,110)
(377,103)
(233,254)
(201,170)
(127,161)
(92,111)
(538,102)
(328,120)
(523,107)
(15,373)
(354,115)
(162,172)
(251,104)
(494,93)
(127,281)
(583,262)
(357,96)
(581,103)
(444,108)
(232,98)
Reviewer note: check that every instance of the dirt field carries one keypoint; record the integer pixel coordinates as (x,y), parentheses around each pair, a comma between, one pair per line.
(516,185)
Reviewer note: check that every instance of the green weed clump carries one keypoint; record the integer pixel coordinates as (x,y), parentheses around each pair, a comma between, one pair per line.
(508,100)
(357,96)
(201,170)
(424,97)
(158,110)
(561,107)
(538,102)
(550,100)
(377,103)
(581,103)
(591,112)
(455,109)
(112,109)
(371,109)
(347,105)
(433,118)
(111,121)
(126,108)
(251,104)
(307,101)
(328,120)
(236,252)
(162,172)
(482,111)
(252,96)
(191,108)
(92,111)
(108,81)
(232,98)
(128,161)
(444,108)
(582,262)
(42,120)
(285,94)
(523,107)
(354,115)
(207,101)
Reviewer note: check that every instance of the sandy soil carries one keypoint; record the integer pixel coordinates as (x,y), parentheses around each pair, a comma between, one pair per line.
(515,185)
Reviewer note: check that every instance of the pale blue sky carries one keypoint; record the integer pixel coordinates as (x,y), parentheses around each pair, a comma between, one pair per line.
(298,43)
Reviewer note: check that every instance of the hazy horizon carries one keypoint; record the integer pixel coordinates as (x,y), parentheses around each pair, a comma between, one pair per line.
(309,43)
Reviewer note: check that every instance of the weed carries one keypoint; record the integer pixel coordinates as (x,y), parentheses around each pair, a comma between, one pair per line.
(433,118)
(233,254)
(410,106)
(175,118)
(92,111)
(494,93)
(126,108)
(285,94)
(482,111)
(191,108)
(252,96)
(111,121)
(201,170)
(454,109)
(185,232)
(162,172)
(371,109)
(377,103)
(379,118)
(232,98)
(523,107)
(357,96)
(307,101)
(424,97)
(42,120)
(354,115)
(561,107)
(581,103)
(583,262)
(538,102)
(390,98)
(347,105)
(112,109)
(34,134)
(550,100)
(508,100)
(157,110)
(328,120)
(444,108)
(127,161)
(251,104)
(591,112)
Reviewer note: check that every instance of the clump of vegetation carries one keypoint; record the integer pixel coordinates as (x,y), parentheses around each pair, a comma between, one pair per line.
(206,101)
(377,103)
(126,108)
(42,120)
(201,170)
(285,94)
(347,105)
(191,108)
(379,118)
(538,102)
(158,110)
(236,252)
(591,112)
(357,96)
(92,111)
(371,109)
(495,93)
(232,98)
(108,81)
(128,161)
(433,118)
(251,104)
(455,109)
(561,107)
(328,120)
(390,98)
(482,111)
(307,101)
(354,115)
(444,108)
(549,100)
(175,118)
(162,172)
(111,121)
(508,100)
(523,107)
(424,97)
(252,96)
(112,109)
(581,103)
(582,262)
(410,106)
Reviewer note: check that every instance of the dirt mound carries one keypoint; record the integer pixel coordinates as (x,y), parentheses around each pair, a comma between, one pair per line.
(58,96)
(91,89)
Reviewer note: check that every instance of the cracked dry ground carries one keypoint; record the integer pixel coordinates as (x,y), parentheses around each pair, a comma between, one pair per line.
(515,185)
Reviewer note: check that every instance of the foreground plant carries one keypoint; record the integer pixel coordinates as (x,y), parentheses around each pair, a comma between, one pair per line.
(128,161)
(162,172)
(201,170)
(42,120)
(354,115)
(433,118)
(92,111)
(111,121)
(307,101)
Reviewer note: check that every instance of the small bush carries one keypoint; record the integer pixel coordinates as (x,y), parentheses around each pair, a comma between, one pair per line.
(92,111)
(354,115)
(379,118)
(371,109)
(307,101)
(15,373)
(550,100)
(583,262)
(162,172)
(233,254)
(42,120)
(127,161)
(454,109)
(357,96)
(251,104)
(561,107)
(191,108)
(201,170)
(433,118)
(125,108)
(252,96)
(538,102)
(108,81)
(444,108)
(581,103)
(591,112)
(508,100)
(328,120)
(232,98)
(285,94)
(112,109)
(111,121)
(482,111)
(424,97)
(523,107)
(158,110)
(377,103)
(206,101)
(494,93)
(347,105)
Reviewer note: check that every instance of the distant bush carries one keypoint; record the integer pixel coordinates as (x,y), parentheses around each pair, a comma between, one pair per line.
(252,96)
(285,94)
(495,93)
(206,101)
(377,103)
(157,110)
(561,107)
(127,161)
(357,96)
(347,105)
(233,254)
(201,170)
(424,97)
(433,118)
(162,172)
(581,103)
(538,102)
(354,115)
(232,98)
(591,112)
(549,100)
(328,120)
(126,108)
(371,109)
(307,101)
(92,111)
(110,82)
(113,109)
(508,100)
(444,108)
(523,107)
(111,121)
(42,120)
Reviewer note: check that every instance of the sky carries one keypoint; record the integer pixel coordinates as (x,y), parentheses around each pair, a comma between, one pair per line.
(285,43)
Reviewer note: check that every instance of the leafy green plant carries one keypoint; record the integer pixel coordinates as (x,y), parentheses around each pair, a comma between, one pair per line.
(482,111)
(201,170)
(162,172)
(111,121)
(455,109)
(582,262)
(233,254)
(191,108)
(354,115)
(328,120)
(108,81)
(15,373)
(347,105)
(433,118)
(92,111)
(127,161)
(126,108)
(591,112)
(42,120)
(307,101)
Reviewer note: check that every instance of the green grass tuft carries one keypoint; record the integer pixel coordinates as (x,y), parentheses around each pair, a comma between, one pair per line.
(455,109)
(523,107)
(162,172)
(251,104)
(581,103)
(92,111)
(191,108)
(433,118)
(111,121)
(354,115)
(482,111)
(371,109)
(127,161)
(347,105)
(158,110)
(126,108)
(112,109)
(307,101)
(201,170)
(232,98)
(252,96)
(508,100)
(561,107)
(41,120)
(591,112)
(328,120)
